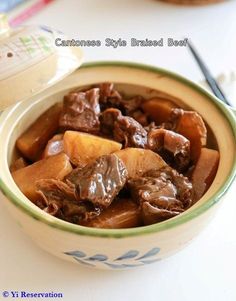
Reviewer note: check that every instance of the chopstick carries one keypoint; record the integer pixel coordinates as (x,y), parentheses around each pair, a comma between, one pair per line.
(29,11)
(208,77)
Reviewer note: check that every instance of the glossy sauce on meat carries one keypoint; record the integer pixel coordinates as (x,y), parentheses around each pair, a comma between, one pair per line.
(81,111)
(161,194)
(100,181)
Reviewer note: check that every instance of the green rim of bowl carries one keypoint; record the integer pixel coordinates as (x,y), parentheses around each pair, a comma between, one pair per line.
(121,233)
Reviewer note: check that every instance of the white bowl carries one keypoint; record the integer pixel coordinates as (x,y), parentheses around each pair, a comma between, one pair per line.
(125,248)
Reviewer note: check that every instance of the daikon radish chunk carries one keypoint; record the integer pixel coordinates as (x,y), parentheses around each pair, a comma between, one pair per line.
(138,161)
(159,109)
(55,167)
(204,171)
(122,213)
(32,142)
(191,126)
(83,148)
(18,164)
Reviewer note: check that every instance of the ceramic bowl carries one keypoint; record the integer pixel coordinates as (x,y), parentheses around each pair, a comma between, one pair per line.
(126,248)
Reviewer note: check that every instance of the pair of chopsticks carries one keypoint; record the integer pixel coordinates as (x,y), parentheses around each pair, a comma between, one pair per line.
(208,76)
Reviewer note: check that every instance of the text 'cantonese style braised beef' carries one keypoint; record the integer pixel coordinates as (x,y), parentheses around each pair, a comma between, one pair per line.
(105,160)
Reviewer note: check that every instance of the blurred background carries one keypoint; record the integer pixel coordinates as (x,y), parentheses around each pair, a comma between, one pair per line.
(211,28)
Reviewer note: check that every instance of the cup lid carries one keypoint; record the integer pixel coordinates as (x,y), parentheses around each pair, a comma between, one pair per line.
(30,61)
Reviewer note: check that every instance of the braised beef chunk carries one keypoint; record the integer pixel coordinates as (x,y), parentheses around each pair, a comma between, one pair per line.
(151,126)
(61,200)
(108,119)
(191,125)
(81,111)
(172,122)
(161,194)
(173,147)
(152,214)
(123,129)
(54,190)
(140,117)
(183,184)
(109,97)
(130,133)
(101,181)
(72,176)
(131,105)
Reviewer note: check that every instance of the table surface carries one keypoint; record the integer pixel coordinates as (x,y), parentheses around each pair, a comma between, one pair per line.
(206,269)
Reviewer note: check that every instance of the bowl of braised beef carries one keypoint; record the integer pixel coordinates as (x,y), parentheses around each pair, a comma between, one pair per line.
(117,166)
